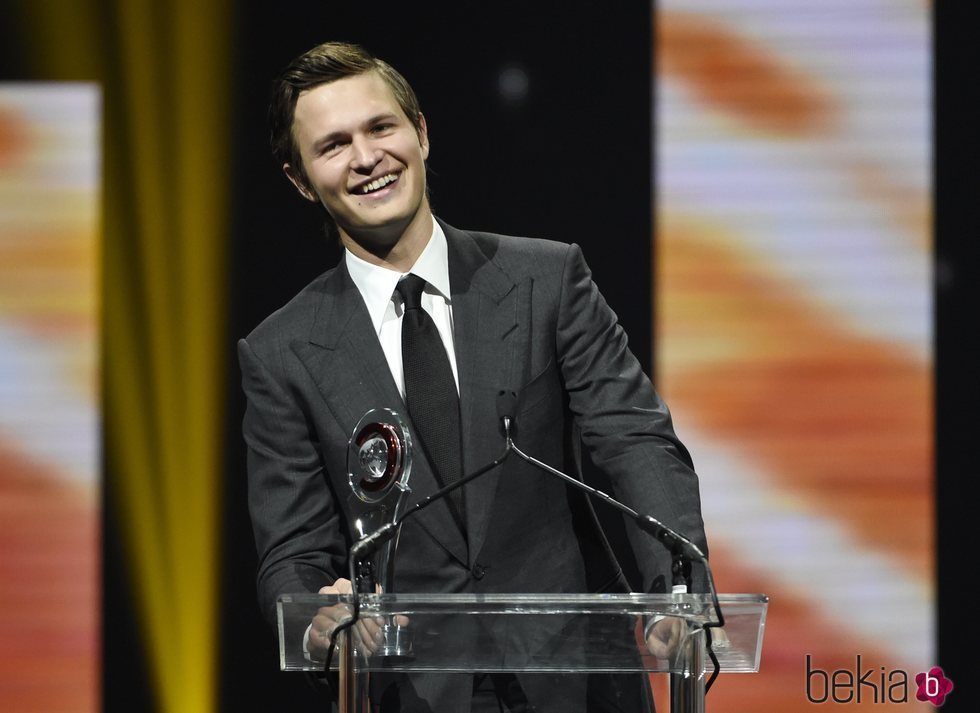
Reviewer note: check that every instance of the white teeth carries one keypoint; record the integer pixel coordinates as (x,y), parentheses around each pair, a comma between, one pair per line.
(378,183)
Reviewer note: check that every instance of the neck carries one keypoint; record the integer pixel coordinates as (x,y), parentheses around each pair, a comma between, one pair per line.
(392,249)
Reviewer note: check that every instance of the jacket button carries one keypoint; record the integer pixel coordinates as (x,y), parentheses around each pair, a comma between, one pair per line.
(478,571)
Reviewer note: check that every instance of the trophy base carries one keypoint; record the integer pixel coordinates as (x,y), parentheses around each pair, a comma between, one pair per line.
(396,642)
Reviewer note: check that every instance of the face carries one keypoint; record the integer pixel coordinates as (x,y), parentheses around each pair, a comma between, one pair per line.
(363,159)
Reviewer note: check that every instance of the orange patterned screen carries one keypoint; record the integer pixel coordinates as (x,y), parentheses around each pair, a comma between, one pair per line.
(49,421)
(794,331)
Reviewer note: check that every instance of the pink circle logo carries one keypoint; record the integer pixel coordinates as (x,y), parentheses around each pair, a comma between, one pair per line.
(933,686)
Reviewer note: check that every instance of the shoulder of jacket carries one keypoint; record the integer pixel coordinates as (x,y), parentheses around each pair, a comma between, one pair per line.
(517,254)
(295,318)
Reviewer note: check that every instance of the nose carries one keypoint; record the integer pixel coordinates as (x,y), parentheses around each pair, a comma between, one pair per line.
(364,157)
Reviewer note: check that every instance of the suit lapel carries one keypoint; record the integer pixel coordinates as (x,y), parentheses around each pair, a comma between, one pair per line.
(344,356)
(348,365)
(490,324)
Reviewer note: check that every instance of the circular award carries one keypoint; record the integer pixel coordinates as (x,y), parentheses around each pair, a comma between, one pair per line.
(378,454)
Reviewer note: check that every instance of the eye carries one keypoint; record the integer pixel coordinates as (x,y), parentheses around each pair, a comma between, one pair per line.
(331,147)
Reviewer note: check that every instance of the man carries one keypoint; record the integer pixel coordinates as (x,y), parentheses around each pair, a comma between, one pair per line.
(500,313)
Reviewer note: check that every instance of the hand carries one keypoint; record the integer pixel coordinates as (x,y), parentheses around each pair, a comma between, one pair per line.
(327,619)
(367,631)
(664,637)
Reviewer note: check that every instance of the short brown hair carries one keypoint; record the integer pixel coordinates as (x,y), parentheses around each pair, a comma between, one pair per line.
(326,63)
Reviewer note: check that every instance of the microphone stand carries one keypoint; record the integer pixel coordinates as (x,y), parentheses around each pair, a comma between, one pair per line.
(682,550)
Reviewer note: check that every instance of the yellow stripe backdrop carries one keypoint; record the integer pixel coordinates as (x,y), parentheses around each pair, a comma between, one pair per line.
(166,76)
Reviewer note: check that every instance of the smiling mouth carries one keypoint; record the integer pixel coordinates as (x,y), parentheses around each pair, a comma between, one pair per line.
(377,184)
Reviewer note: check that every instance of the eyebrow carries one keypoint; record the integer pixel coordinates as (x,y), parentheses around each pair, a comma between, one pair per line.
(388,115)
(334,135)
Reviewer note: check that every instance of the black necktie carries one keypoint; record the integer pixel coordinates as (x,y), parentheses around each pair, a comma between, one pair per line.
(430,391)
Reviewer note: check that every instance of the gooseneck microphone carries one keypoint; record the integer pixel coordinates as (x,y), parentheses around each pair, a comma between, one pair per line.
(680,547)
(682,550)
(675,543)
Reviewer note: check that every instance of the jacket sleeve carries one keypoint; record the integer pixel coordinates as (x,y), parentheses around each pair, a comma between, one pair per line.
(624,423)
(295,518)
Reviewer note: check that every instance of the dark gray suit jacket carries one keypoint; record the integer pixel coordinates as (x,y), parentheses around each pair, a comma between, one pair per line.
(526,316)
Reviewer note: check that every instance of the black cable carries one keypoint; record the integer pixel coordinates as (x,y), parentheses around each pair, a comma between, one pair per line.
(343,626)
(710,625)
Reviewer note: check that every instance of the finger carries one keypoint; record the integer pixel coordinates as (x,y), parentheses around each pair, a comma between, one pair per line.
(337,614)
(656,647)
(341,586)
(372,626)
(322,629)
(719,639)
(317,641)
(664,637)
(327,620)
(367,636)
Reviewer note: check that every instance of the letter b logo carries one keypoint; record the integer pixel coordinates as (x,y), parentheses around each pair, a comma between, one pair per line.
(933,686)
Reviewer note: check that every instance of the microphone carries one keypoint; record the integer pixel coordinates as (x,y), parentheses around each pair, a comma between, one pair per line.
(369,544)
(506,407)
(676,543)
(679,546)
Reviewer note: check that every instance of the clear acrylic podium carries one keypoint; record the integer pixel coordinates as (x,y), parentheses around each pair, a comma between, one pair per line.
(534,633)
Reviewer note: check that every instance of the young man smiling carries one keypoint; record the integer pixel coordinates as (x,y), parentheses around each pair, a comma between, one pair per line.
(503,313)
(363,158)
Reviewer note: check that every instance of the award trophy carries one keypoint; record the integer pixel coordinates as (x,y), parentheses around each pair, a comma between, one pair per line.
(379,462)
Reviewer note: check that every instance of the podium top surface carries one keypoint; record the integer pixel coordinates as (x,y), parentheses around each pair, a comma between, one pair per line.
(530,632)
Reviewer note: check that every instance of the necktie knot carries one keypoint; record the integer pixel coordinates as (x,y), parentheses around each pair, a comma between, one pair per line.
(410,288)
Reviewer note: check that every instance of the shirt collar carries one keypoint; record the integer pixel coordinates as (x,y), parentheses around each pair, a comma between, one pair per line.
(433,264)
(376,284)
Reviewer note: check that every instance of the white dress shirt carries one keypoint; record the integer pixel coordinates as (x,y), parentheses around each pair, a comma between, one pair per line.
(377,287)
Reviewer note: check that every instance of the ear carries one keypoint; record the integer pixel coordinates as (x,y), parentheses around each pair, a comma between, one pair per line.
(423,136)
(297,180)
